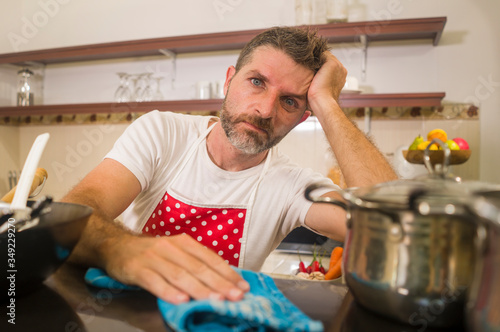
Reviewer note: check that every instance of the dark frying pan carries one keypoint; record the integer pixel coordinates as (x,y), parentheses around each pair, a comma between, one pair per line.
(29,256)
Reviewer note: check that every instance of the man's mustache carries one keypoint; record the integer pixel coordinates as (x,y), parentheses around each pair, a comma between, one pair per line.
(261,123)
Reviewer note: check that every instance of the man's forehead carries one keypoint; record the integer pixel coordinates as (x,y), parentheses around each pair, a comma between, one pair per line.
(268,52)
(272,63)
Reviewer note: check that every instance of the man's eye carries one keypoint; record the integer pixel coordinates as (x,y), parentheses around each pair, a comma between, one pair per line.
(256,82)
(290,102)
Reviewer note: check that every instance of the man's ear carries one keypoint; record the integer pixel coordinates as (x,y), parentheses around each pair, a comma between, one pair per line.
(229,76)
(304,116)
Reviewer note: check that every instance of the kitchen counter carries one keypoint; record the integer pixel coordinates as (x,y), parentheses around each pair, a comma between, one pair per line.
(66,303)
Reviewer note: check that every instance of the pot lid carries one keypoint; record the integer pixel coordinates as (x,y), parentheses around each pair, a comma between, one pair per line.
(429,193)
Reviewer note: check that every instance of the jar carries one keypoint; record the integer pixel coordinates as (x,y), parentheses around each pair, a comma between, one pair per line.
(25,95)
(336,11)
(318,12)
(303,12)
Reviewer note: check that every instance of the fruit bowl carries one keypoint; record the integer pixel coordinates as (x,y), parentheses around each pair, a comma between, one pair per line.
(457,157)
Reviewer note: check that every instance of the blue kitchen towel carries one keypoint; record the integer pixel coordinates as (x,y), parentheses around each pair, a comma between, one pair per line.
(99,278)
(264,308)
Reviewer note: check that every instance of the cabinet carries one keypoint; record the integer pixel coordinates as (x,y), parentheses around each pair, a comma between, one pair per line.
(351,32)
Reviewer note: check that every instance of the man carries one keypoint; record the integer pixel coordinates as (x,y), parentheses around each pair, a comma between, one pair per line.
(217,192)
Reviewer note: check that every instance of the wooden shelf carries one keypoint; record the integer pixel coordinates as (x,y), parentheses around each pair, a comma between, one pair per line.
(96,108)
(210,105)
(391,99)
(390,30)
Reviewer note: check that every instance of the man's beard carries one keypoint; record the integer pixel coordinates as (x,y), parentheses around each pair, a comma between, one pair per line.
(248,141)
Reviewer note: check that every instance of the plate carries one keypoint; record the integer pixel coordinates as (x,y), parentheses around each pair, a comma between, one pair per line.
(338,281)
(351,91)
(457,157)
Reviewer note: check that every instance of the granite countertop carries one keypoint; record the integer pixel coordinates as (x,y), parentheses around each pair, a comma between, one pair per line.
(65,303)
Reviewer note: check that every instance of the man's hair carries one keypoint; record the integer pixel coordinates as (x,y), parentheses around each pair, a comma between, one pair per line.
(303,45)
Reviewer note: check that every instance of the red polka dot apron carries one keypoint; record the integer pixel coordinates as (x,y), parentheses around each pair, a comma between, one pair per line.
(220,228)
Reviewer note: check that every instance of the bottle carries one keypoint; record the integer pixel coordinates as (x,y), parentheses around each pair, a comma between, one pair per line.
(25,95)
(336,11)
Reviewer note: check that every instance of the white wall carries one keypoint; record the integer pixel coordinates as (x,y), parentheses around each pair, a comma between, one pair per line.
(461,65)
(73,22)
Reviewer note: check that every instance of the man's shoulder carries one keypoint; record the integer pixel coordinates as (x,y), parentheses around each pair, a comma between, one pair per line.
(279,159)
(283,168)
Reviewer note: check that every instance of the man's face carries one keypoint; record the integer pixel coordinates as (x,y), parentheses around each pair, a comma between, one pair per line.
(264,100)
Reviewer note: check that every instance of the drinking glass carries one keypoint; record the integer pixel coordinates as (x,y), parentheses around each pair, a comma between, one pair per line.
(138,87)
(158,95)
(122,94)
(147,92)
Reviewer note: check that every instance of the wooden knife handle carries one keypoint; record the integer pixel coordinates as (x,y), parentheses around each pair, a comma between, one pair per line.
(40,175)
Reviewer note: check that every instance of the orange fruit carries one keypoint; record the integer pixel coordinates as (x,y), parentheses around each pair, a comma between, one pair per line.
(437,133)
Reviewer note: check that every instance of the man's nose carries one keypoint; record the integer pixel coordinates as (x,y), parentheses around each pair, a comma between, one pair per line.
(268,104)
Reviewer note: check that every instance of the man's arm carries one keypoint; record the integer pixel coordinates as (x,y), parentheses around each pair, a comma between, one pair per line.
(173,268)
(360,161)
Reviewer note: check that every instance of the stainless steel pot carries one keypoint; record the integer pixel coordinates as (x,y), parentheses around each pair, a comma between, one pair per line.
(409,252)
(410,261)
(483,302)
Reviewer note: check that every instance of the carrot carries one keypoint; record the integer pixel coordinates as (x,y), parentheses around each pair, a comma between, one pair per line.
(336,256)
(335,271)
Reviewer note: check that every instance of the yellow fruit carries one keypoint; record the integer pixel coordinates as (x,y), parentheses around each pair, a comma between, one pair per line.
(423,146)
(419,139)
(452,145)
(437,133)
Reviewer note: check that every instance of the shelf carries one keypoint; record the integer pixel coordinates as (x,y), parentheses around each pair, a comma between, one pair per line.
(97,108)
(210,105)
(350,32)
(391,99)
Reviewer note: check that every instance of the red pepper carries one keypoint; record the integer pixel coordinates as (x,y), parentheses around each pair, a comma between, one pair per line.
(315,266)
(302,266)
(309,269)
(311,266)
(321,267)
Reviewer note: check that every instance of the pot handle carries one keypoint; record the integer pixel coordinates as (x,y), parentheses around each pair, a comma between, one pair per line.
(443,169)
(320,199)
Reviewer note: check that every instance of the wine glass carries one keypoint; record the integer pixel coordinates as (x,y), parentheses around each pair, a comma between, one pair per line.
(122,94)
(137,87)
(147,92)
(158,95)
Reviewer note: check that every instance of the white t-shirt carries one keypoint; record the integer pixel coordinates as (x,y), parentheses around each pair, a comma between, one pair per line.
(154,147)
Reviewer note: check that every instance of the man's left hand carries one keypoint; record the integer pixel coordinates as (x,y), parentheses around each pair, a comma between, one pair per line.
(327,83)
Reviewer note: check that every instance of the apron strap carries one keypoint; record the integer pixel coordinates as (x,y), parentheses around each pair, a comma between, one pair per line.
(250,205)
(189,153)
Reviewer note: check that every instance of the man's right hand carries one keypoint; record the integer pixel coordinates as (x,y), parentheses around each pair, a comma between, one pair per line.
(174,268)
